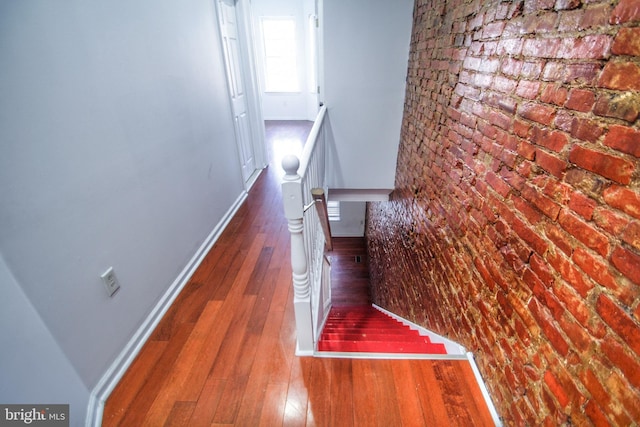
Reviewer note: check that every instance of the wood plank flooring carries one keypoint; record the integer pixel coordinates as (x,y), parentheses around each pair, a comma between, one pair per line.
(223,355)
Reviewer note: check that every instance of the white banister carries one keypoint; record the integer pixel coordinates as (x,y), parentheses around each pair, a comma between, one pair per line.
(311,298)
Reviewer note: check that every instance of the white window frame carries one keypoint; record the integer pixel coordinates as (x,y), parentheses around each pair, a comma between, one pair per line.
(292,57)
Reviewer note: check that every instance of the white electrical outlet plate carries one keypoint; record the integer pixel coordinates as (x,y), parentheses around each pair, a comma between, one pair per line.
(110,281)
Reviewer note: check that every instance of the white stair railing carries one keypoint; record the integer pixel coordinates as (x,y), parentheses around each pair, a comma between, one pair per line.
(311,292)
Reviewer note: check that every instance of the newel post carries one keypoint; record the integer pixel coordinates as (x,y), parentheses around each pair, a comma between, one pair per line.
(294,211)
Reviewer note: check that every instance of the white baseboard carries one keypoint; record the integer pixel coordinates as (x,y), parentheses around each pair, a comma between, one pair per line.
(453,348)
(114,373)
(483,389)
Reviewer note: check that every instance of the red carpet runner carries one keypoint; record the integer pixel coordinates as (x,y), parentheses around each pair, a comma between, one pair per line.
(363,329)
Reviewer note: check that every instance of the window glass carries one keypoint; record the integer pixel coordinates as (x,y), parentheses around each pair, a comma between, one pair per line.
(279,47)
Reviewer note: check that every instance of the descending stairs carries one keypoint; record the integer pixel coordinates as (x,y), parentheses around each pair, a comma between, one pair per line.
(363,329)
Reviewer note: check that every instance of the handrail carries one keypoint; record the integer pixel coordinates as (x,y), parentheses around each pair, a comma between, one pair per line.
(323,215)
(310,144)
(311,292)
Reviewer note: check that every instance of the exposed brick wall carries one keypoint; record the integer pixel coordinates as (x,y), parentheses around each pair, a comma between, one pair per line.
(514,228)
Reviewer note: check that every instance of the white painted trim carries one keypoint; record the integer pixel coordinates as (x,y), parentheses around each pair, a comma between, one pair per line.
(483,389)
(359,195)
(252,179)
(453,348)
(114,373)
(388,356)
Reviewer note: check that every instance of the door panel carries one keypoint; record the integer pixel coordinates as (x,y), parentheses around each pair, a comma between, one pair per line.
(233,59)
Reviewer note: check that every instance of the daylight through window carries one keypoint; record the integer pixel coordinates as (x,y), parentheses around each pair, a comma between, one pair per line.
(279,45)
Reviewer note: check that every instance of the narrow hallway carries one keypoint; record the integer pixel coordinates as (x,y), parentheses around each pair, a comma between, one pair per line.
(224,354)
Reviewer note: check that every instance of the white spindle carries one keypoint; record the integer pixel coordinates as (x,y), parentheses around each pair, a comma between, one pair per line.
(294,212)
(307,239)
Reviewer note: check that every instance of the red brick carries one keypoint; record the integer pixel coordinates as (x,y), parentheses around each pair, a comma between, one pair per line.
(606,165)
(530,236)
(511,67)
(528,89)
(527,150)
(553,94)
(596,16)
(551,163)
(596,269)
(567,4)
(556,389)
(625,11)
(596,415)
(548,328)
(624,199)
(594,386)
(582,205)
(588,47)
(624,139)
(610,221)
(621,323)
(569,20)
(627,42)
(627,396)
(531,70)
(576,333)
(564,120)
(540,24)
(541,48)
(568,73)
(620,76)
(498,184)
(560,238)
(552,140)
(493,29)
(558,191)
(625,106)
(546,205)
(629,366)
(631,234)
(512,178)
(537,112)
(501,120)
(533,215)
(584,314)
(584,232)
(541,269)
(580,100)
(586,130)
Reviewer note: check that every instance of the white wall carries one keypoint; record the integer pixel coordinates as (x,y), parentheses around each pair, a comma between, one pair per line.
(300,105)
(352,217)
(34,368)
(117,149)
(366,51)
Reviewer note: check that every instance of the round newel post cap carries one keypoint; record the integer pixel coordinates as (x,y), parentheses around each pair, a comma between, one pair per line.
(290,164)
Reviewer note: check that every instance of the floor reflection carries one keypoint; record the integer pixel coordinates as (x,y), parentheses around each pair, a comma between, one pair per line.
(285,137)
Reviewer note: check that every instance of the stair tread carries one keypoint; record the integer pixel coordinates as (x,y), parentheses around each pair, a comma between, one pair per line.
(334,336)
(378,347)
(362,328)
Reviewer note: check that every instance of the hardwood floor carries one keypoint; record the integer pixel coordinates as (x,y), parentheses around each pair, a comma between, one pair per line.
(224,352)
(349,272)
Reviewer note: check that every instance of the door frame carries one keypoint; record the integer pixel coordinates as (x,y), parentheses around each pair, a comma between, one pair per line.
(250,77)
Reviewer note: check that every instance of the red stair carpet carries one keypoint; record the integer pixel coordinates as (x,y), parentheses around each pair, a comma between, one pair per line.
(363,329)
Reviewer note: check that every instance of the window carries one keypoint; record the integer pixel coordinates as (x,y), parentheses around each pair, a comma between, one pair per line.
(333,210)
(279,47)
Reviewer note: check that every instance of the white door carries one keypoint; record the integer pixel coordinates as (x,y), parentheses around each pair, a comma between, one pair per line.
(237,86)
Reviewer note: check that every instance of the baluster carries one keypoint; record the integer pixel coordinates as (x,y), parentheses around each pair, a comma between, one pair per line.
(294,212)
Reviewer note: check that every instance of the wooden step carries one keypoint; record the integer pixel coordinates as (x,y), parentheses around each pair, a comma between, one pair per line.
(365,329)
(382,347)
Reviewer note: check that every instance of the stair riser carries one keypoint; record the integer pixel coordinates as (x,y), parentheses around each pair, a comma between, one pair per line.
(364,329)
(373,337)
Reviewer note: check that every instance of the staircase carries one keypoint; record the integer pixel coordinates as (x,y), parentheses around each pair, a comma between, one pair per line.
(363,329)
